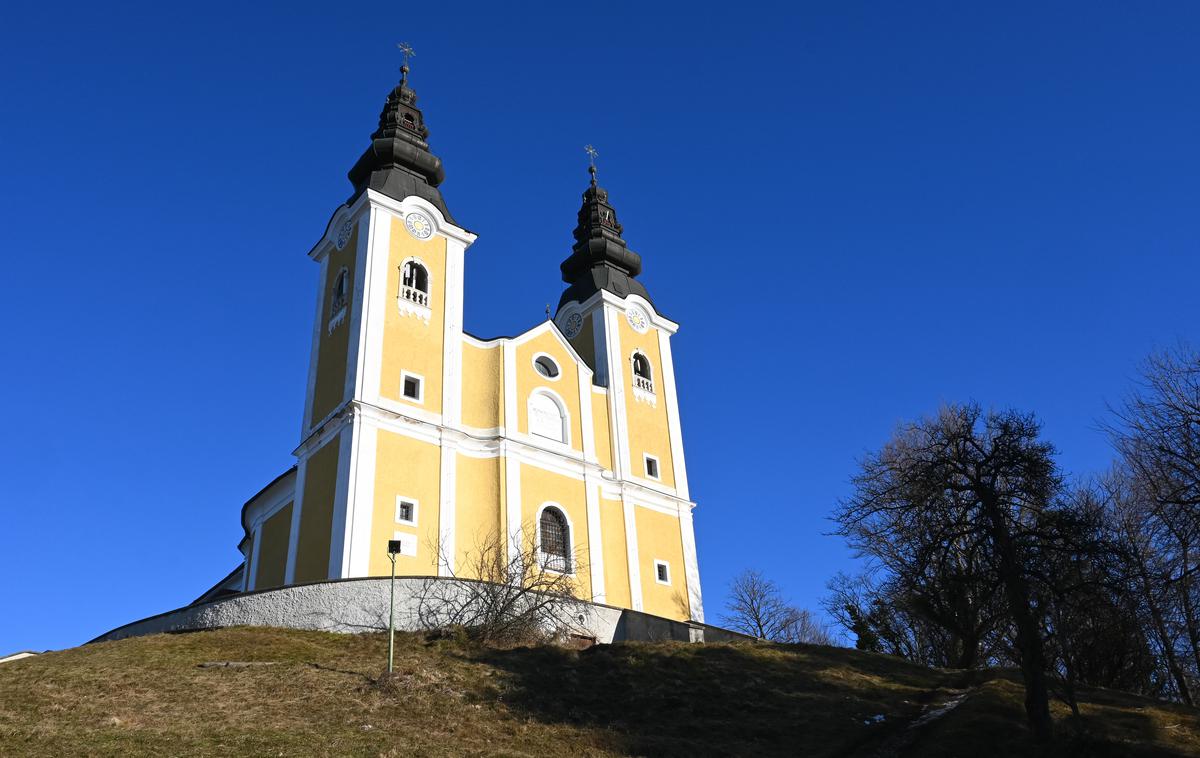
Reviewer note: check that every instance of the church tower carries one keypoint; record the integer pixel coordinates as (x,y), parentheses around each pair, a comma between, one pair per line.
(565,437)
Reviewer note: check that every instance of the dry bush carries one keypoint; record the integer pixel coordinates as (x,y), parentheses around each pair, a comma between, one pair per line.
(507,596)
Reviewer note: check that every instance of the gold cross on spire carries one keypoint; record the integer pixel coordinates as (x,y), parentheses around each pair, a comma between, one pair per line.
(407,50)
(592,154)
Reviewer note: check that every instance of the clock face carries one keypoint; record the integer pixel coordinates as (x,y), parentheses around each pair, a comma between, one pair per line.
(418,225)
(573,325)
(637,319)
(344,233)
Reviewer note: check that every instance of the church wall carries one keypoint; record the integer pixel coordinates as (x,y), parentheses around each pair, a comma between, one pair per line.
(585,343)
(272,549)
(316,513)
(565,386)
(477,509)
(601,428)
(538,487)
(616,555)
(649,429)
(482,378)
(333,346)
(409,343)
(408,468)
(659,538)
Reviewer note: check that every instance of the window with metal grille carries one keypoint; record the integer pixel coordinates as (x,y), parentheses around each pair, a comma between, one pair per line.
(662,572)
(554,541)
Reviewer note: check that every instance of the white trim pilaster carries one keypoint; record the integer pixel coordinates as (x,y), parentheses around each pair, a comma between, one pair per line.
(595,541)
(631,550)
(690,565)
(674,429)
(616,393)
(315,351)
(452,335)
(250,572)
(512,500)
(361,499)
(509,427)
(374,303)
(289,573)
(446,508)
(339,528)
(356,350)
(586,422)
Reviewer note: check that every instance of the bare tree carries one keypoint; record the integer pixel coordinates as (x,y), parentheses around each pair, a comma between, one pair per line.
(504,594)
(1156,488)
(885,615)
(964,485)
(757,607)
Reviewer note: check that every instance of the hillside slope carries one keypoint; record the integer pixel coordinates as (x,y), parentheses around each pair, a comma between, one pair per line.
(318,696)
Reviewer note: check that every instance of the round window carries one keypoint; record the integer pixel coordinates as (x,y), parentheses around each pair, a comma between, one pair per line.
(546,366)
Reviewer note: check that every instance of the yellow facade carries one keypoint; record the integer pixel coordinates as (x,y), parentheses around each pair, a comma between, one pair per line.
(649,430)
(273,548)
(482,404)
(478,521)
(410,343)
(411,473)
(466,456)
(565,386)
(603,433)
(659,540)
(316,516)
(616,554)
(330,389)
(541,488)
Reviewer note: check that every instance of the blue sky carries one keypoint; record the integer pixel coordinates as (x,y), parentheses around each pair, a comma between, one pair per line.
(857,211)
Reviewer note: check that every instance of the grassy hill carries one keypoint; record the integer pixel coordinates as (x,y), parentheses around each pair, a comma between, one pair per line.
(320,694)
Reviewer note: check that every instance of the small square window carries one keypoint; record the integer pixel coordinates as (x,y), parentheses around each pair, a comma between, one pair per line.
(662,572)
(410,387)
(406,511)
(651,467)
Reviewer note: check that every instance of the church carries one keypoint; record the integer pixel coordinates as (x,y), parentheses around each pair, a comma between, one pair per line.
(566,437)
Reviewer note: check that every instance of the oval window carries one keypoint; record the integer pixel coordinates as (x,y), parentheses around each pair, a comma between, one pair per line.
(546,366)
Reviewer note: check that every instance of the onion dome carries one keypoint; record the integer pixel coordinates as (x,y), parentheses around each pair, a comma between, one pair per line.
(398,162)
(600,259)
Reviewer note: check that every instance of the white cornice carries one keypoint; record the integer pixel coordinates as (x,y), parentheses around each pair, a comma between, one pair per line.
(399,207)
(521,447)
(411,203)
(622,303)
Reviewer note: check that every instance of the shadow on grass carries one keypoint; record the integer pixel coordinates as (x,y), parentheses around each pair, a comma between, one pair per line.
(671,699)
(991,722)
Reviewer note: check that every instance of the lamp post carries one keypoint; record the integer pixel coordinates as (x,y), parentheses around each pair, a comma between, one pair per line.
(393,547)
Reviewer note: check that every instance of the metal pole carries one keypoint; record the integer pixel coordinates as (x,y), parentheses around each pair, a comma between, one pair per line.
(392,614)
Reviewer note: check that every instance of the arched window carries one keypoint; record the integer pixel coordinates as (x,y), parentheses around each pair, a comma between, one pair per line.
(547,418)
(643,378)
(341,290)
(554,540)
(414,283)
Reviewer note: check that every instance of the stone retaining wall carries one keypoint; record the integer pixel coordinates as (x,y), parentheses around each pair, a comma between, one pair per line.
(361,605)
